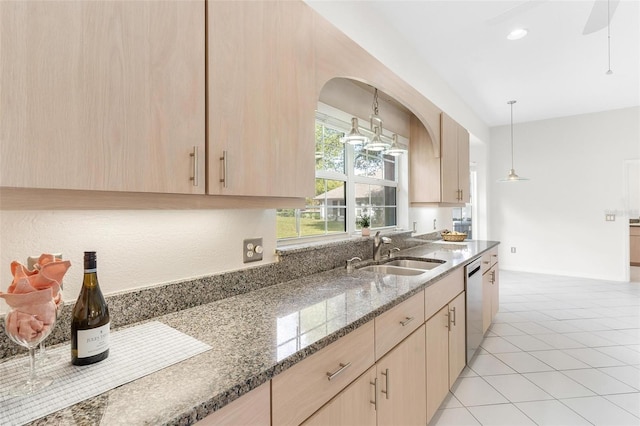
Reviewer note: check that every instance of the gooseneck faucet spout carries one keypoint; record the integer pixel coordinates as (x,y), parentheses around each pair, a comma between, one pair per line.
(378,242)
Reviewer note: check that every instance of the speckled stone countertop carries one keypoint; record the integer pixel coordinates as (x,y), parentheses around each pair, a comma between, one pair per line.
(257,335)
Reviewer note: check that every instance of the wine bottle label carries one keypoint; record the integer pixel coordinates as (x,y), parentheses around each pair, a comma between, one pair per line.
(93,341)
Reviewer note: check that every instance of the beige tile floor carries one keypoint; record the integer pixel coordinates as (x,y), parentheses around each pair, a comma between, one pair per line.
(562,351)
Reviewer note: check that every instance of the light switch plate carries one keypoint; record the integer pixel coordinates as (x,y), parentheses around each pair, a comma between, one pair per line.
(609,217)
(252,250)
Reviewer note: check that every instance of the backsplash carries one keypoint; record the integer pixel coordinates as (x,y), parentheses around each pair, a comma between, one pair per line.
(294,262)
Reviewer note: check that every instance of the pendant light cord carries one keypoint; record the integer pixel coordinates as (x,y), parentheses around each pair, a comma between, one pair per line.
(374,106)
(511,103)
(609,71)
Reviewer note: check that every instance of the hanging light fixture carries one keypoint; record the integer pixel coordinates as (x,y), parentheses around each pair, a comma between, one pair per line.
(395,148)
(376,143)
(354,137)
(512,176)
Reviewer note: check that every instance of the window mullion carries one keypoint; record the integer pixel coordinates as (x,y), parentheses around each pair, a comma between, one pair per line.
(351,199)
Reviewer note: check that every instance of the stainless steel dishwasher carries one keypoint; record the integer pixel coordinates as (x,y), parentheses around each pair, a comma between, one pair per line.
(473,288)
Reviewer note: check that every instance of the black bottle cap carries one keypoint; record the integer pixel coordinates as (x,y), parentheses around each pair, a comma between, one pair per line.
(90,260)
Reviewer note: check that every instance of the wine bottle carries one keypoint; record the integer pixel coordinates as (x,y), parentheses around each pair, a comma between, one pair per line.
(90,318)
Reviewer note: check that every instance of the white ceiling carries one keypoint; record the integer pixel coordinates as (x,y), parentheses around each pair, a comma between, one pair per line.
(554,71)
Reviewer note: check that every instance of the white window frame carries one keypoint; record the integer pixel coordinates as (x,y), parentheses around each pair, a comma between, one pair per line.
(340,120)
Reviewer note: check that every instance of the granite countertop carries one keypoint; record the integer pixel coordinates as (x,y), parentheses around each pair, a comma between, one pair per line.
(257,335)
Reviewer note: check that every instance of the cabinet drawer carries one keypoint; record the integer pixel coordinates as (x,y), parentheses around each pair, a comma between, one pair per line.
(301,390)
(441,292)
(398,322)
(489,259)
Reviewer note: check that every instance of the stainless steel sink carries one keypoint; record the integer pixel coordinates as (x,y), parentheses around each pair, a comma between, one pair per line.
(392,270)
(404,266)
(424,264)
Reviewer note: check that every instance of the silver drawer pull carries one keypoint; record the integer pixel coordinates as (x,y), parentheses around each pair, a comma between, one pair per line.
(375,394)
(343,367)
(385,373)
(194,155)
(407,321)
(223,179)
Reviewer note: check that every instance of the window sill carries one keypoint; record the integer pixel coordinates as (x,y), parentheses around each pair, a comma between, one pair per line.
(314,243)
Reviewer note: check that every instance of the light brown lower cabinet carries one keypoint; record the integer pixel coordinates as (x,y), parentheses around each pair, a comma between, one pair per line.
(634,245)
(392,392)
(490,296)
(253,408)
(401,383)
(353,406)
(445,346)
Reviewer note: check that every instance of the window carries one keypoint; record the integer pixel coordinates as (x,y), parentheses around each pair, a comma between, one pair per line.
(349,181)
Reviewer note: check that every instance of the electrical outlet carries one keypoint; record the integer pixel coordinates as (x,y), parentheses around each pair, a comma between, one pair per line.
(32,260)
(252,250)
(513,249)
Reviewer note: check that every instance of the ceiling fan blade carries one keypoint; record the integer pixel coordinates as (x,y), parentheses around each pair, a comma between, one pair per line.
(598,17)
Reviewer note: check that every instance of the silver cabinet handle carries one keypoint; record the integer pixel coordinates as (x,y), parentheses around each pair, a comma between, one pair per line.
(385,373)
(375,394)
(493,277)
(453,311)
(194,155)
(407,321)
(223,179)
(343,367)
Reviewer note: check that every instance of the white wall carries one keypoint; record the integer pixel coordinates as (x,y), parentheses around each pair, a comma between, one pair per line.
(556,220)
(136,248)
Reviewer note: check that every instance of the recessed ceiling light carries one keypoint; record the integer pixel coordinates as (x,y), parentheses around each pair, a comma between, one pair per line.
(517,34)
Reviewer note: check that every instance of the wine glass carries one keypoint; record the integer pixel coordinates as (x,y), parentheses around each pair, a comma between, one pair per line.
(28,326)
(44,358)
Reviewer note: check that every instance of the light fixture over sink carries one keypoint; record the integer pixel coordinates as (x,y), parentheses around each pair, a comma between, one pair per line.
(376,143)
(354,137)
(512,176)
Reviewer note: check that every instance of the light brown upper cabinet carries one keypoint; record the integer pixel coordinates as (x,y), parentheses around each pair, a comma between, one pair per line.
(103,95)
(454,162)
(262,99)
(439,177)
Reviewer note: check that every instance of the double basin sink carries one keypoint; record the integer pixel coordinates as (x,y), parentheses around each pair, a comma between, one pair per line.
(407,266)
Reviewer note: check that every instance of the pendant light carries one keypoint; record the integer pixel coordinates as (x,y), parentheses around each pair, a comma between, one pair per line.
(354,137)
(395,148)
(512,176)
(376,143)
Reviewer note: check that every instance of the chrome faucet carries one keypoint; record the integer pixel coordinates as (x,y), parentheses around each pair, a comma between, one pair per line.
(350,263)
(378,241)
(392,250)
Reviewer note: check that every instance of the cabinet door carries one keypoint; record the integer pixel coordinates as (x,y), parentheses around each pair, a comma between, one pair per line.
(253,408)
(353,406)
(495,291)
(102,95)
(457,337)
(463,164)
(437,354)
(449,160)
(262,99)
(487,296)
(634,245)
(401,383)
